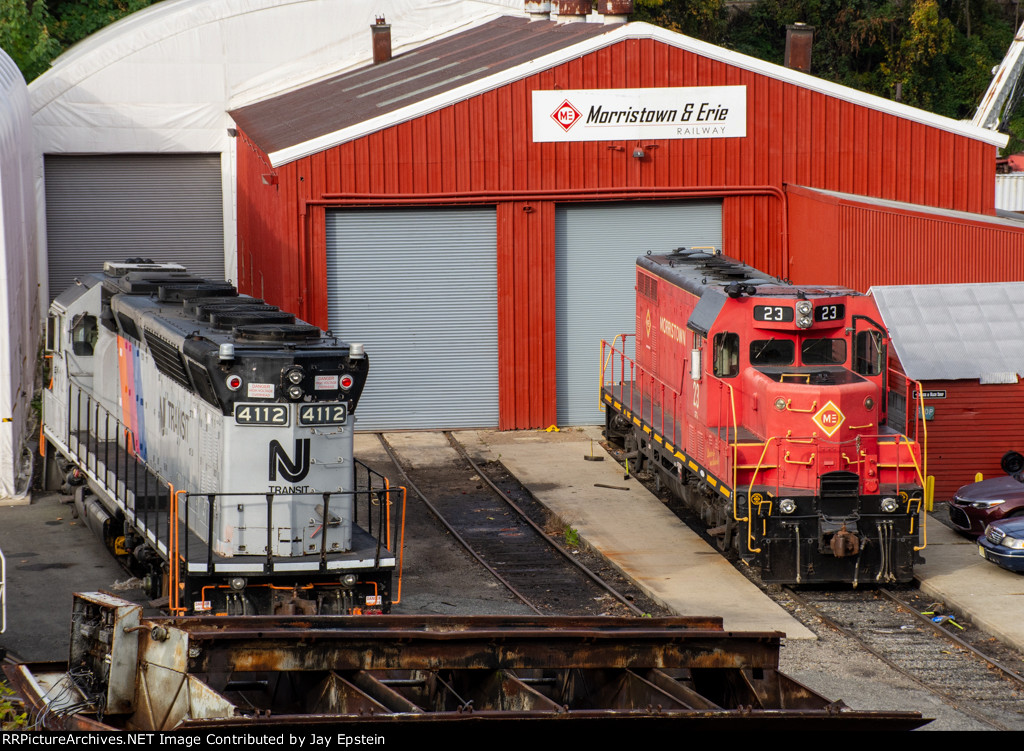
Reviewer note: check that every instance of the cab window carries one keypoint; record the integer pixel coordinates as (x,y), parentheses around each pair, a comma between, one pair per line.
(83,336)
(823,351)
(727,355)
(869,353)
(772,352)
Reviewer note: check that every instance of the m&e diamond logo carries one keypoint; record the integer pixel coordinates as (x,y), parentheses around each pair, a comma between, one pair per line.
(566,115)
(829,418)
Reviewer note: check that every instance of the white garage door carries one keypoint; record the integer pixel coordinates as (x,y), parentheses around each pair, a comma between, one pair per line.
(596,247)
(418,287)
(113,207)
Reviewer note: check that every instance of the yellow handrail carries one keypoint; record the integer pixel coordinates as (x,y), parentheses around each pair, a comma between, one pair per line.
(604,366)
(750,493)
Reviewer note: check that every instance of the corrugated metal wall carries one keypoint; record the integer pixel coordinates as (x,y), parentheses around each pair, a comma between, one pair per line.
(418,288)
(166,207)
(839,241)
(974,425)
(481,150)
(596,246)
(1010,191)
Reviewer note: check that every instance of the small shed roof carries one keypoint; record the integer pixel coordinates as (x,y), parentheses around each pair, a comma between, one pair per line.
(944,332)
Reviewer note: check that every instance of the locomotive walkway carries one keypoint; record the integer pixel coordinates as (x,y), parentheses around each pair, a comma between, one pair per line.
(631,528)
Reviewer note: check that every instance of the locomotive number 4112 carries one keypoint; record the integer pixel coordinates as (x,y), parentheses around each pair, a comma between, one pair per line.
(323,414)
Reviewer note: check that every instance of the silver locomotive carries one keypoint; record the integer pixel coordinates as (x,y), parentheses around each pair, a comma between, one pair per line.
(208,439)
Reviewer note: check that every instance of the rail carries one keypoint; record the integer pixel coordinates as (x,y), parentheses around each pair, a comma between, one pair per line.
(371,508)
(648,386)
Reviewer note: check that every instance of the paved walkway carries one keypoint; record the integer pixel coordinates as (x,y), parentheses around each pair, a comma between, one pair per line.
(633,529)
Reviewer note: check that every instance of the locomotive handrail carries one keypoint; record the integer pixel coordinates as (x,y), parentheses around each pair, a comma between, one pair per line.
(604,367)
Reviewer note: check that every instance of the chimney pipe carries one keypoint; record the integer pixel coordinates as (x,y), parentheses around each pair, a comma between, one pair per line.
(570,11)
(538,10)
(799,38)
(380,33)
(615,11)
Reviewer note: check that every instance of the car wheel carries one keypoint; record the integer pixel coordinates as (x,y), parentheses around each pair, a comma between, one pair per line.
(1012,462)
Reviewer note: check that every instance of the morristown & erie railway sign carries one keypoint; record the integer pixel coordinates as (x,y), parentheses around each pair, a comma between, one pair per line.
(622,114)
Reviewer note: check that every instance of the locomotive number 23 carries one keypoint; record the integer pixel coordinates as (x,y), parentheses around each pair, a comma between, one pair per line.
(776,313)
(830,312)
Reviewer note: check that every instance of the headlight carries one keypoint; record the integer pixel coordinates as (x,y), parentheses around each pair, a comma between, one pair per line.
(889,505)
(295,393)
(983,504)
(787,505)
(804,308)
(804,322)
(348,580)
(1012,542)
(780,404)
(295,375)
(237,583)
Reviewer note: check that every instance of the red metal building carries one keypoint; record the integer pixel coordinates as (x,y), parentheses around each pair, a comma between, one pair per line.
(497,131)
(962,343)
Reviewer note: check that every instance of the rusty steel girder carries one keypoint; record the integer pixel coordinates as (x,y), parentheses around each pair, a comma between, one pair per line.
(206,672)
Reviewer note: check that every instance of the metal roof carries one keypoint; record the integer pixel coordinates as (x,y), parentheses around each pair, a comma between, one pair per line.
(324,114)
(945,332)
(407,79)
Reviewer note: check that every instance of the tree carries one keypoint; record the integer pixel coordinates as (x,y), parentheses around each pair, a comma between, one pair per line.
(25,35)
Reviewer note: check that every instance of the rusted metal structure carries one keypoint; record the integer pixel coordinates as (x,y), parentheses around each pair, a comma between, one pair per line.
(134,673)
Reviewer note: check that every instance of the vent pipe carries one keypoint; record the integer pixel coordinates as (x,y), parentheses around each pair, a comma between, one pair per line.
(538,10)
(571,11)
(615,11)
(799,38)
(380,33)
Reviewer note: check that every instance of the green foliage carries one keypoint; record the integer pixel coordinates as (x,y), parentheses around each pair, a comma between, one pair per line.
(572,537)
(34,32)
(77,19)
(12,714)
(25,35)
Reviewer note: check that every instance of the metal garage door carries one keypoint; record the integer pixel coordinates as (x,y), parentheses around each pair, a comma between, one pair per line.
(596,247)
(418,287)
(109,208)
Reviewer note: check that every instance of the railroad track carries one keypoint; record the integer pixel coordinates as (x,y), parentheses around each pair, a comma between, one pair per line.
(496,530)
(960,674)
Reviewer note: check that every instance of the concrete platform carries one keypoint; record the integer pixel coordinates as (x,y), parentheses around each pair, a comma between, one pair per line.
(956,575)
(633,529)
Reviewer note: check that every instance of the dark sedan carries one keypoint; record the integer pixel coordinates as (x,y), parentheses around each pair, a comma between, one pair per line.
(1003,544)
(977,505)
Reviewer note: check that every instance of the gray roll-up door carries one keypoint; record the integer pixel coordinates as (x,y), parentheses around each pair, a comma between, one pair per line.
(596,246)
(418,287)
(112,207)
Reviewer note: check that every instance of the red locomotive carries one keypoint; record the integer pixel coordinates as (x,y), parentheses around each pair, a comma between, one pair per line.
(771,411)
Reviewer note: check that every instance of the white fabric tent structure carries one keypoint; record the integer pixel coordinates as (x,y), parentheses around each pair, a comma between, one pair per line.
(159,82)
(20,314)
